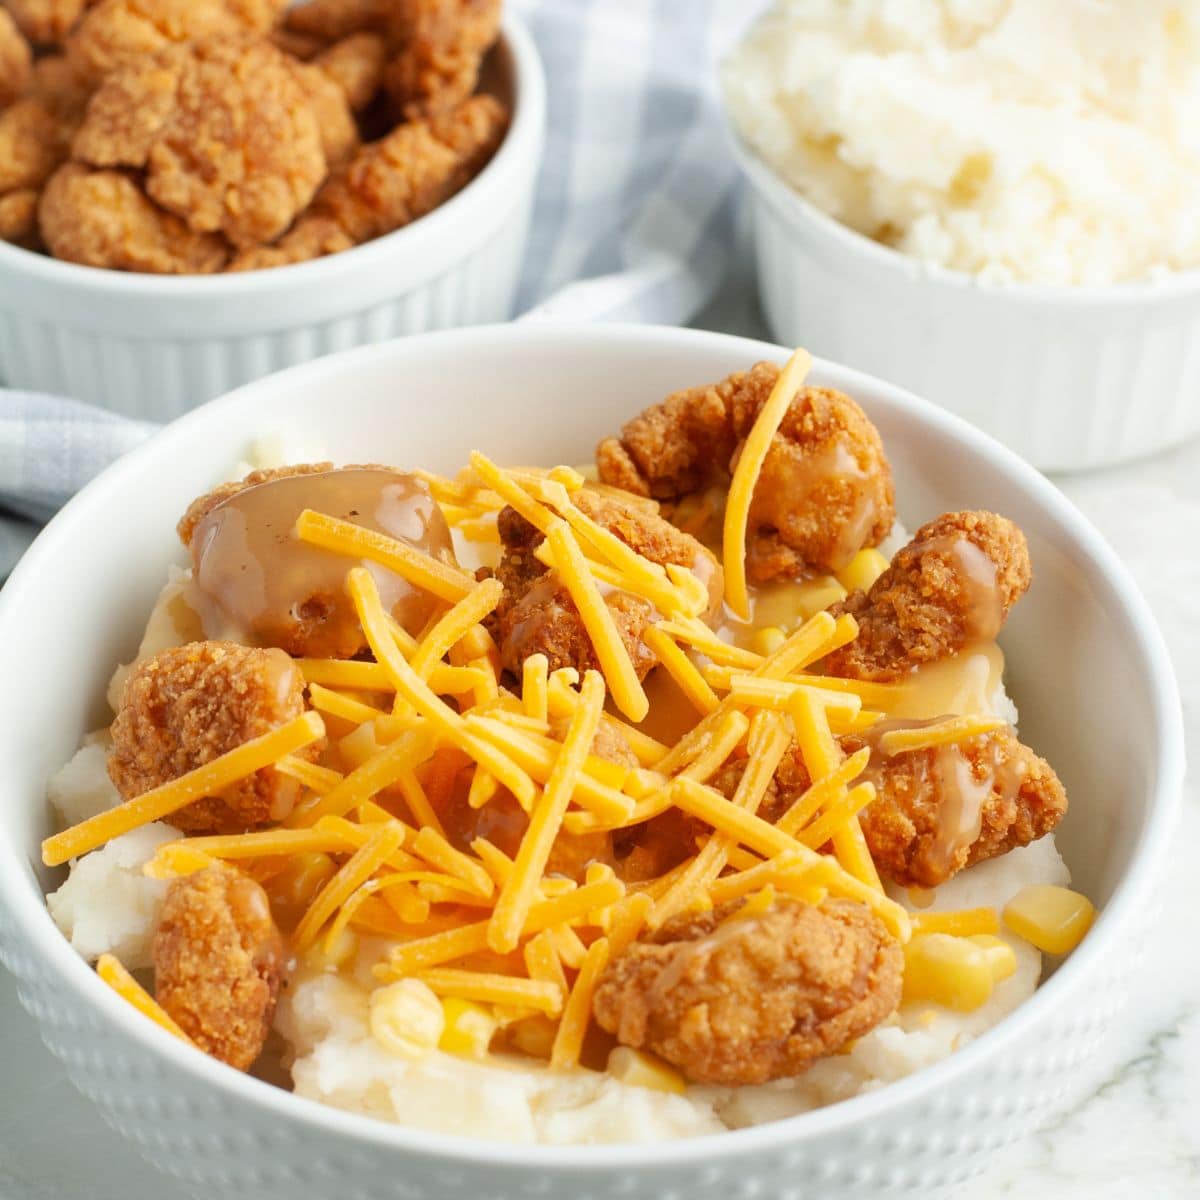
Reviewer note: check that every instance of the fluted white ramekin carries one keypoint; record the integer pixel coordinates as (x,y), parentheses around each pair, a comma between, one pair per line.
(1068,377)
(1096,693)
(153,346)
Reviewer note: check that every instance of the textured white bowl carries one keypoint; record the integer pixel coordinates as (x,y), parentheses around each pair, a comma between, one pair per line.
(153,346)
(1069,378)
(1087,667)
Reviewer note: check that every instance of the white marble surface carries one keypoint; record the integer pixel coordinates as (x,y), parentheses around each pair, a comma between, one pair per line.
(1138,1135)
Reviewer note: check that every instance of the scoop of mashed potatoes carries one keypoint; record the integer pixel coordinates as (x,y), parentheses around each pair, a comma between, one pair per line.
(1012,139)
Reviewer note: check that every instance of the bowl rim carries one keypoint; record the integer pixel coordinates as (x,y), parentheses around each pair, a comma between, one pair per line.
(799,211)
(21,897)
(416,241)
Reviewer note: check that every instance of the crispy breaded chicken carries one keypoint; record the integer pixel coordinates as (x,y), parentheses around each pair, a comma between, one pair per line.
(184,707)
(939,810)
(390,183)
(16,60)
(18,218)
(732,1001)
(440,45)
(825,490)
(223,130)
(219,963)
(331,20)
(355,64)
(954,583)
(46,22)
(536,614)
(103,219)
(119,33)
(338,82)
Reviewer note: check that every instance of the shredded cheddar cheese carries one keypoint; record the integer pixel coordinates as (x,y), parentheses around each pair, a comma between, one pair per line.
(568,1042)
(119,979)
(208,780)
(753,454)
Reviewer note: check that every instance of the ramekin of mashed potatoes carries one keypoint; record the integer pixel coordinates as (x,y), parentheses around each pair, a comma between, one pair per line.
(940,180)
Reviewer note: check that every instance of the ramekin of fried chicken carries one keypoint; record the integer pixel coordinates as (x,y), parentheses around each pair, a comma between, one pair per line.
(506,785)
(179,150)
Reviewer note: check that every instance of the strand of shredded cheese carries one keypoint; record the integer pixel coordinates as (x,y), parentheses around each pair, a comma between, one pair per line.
(420,569)
(954,729)
(123,983)
(211,779)
(417,693)
(682,670)
(538,994)
(752,455)
(352,874)
(568,1041)
(535,686)
(517,895)
(454,624)
(597,618)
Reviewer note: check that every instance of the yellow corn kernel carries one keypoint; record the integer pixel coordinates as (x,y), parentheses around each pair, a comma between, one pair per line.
(321,956)
(292,890)
(1054,919)
(940,968)
(533,1036)
(816,595)
(468,1027)
(1001,957)
(638,1069)
(767,640)
(407,1018)
(862,570)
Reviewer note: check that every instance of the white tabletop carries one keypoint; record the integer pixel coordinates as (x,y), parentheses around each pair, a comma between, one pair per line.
(1139,1134)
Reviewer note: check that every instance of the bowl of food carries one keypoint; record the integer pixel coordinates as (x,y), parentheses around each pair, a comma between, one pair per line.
(610,797)
(195,195)
(1006,234)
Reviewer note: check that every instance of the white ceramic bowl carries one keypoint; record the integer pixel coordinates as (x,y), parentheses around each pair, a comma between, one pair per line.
(1087,667)
(153,346)
(1068,377)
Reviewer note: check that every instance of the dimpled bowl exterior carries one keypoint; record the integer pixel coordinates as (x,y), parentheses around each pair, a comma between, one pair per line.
(153,347)
(1069,378)
(225,1135)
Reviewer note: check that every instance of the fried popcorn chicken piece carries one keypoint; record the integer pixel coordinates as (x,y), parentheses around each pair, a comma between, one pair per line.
(790,781)
(184,707)
(203,505)
(417,167)
(46,22)
(16,60)
(731,1001)
(953,584)
(390,183)
(332,20)
(118,33)
(299,46)
(310,239)
(18,218)
(102,219)
(939,810)
(225,133)
(441,44)
(355,64)
(825,490)
(330,107)
(536,613)
(296,596)
(655,538)
(219,963)
(33,141)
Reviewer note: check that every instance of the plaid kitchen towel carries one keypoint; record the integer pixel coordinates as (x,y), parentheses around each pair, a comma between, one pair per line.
(633,218)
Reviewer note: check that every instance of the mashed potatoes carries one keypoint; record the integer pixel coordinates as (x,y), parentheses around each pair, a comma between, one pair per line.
(1013,139)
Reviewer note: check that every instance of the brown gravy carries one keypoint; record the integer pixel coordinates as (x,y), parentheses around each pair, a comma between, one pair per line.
(273,589)
(953,779)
